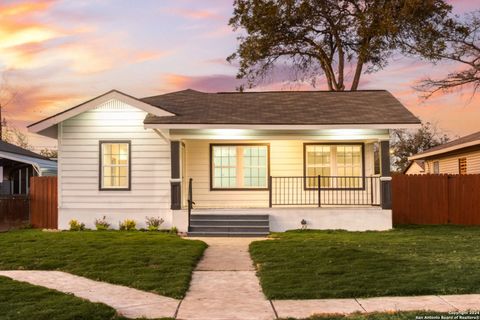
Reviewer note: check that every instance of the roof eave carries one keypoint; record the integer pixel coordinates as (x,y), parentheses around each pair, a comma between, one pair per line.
(85,106)
(280,126)
(428,154)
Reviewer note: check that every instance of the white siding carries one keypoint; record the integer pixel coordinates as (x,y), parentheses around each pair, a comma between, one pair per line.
(415,169)
(449,164)
(286,159)
(79,194)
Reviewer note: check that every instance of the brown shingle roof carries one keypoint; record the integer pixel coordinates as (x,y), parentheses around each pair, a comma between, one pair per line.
(284,107)
(470,138)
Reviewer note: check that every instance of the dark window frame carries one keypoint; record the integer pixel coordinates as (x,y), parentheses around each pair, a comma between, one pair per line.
(100,166)
(460,160)
(305,144)
(212,145)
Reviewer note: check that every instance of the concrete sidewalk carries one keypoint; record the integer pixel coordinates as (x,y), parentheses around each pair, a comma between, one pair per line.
(307,308)
(128,302)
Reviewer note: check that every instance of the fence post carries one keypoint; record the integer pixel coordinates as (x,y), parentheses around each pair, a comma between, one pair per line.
(270,202)
(319,191)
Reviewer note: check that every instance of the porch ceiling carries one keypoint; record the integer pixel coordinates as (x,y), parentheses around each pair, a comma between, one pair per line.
(255,134)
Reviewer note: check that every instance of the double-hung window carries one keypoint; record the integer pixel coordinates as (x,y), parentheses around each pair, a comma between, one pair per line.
(239,167)
(115,165)
(339,166)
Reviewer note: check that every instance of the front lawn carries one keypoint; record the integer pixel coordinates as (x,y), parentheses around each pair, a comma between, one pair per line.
(339,264)
(20,301)
(151,261)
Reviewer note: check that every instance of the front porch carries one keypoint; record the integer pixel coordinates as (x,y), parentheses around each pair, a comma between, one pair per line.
(234,173)
(329,181)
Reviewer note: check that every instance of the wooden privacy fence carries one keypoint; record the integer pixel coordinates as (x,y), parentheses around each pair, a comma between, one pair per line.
(436,199)
(43,202)
(14,211)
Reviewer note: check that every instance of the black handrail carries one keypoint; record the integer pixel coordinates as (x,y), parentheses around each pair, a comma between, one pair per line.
(190,201)
(324,190)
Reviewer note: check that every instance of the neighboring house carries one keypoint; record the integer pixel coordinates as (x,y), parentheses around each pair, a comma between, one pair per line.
(415,167)
(17,165)
(257,158)
(460,156)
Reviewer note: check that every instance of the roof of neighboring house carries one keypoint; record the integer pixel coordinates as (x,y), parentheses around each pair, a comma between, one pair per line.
(281,107)
(11,148)
(463,142)
(43,165)
(420,163)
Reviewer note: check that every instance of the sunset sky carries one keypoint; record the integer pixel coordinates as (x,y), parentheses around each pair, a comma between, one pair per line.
(56,54)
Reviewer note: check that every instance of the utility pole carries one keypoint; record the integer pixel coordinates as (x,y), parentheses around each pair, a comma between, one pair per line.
(1,123)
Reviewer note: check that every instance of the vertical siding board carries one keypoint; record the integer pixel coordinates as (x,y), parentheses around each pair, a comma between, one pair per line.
(14,210)
(43,202)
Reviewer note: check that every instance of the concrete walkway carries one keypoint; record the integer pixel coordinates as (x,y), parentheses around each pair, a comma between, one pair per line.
(224,285)
(129,302)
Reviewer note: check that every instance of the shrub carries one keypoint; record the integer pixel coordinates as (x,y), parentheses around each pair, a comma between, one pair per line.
(76,226)
(174,230)
(102,224)
(153,224)
(127,225)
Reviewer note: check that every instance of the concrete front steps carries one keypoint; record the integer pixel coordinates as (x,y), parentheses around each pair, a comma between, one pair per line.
(229,225)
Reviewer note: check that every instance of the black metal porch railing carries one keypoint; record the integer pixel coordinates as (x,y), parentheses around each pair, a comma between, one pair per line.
(324,190)
(190,202)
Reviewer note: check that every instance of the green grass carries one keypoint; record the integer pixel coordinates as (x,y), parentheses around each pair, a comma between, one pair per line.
(378,316)
(339,264)
(20,300)
(151,261)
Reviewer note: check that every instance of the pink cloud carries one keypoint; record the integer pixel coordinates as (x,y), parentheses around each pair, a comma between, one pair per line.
(195,14)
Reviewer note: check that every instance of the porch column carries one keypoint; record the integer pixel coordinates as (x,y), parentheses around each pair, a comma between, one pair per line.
(175,181)
(385,179)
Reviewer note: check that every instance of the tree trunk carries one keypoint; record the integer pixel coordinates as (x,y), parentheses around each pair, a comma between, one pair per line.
(358,73)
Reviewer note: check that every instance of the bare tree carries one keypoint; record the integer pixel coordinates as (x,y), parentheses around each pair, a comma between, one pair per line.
(9,133)
(406,143)
(462,45)
(7,96)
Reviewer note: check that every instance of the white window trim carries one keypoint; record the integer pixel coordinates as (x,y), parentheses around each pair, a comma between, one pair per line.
(128,165)
(436,167)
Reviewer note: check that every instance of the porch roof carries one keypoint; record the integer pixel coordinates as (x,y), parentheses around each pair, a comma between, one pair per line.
(42,165)
(365,107)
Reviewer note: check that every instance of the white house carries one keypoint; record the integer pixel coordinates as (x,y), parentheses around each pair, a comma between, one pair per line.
(17,165)
(415,167)
(251,162)
(460,156)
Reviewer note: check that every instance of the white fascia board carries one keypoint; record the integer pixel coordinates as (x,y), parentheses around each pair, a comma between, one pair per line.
(282,126)
(44,124)
(445,150)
